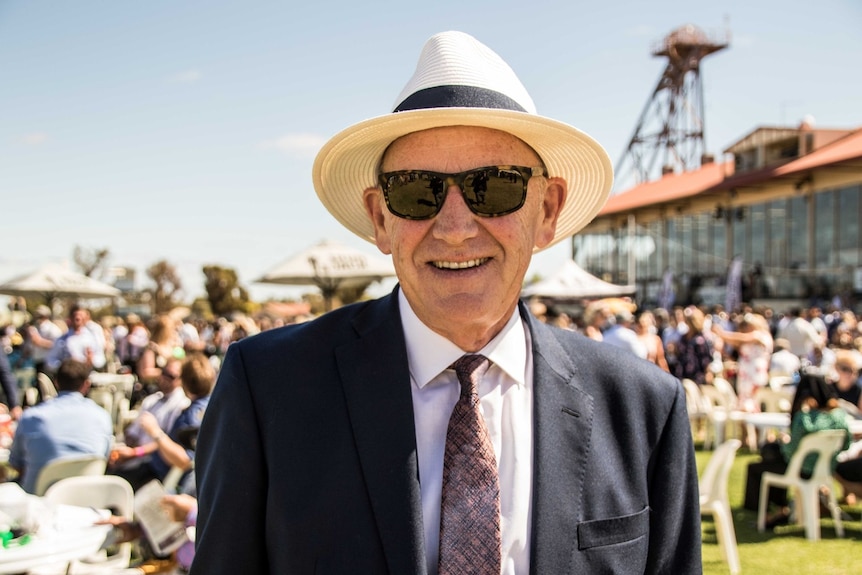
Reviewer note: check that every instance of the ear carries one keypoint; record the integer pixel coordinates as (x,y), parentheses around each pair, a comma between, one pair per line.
(373,199)
(552,204)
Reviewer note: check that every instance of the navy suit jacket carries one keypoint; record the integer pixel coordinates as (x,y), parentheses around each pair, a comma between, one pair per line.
(306,459)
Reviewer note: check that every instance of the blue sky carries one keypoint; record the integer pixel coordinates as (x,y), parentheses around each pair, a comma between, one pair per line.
(186,131)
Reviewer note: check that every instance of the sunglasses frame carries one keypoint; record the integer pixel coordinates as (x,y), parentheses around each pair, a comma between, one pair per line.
(450,179)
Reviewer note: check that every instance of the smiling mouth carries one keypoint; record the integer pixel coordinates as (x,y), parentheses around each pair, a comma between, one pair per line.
(443,265)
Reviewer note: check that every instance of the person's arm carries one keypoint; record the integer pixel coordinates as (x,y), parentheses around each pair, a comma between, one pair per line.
(10,385)
(172,452)
(660,359)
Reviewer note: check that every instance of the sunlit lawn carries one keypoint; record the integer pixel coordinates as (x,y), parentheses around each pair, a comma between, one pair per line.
(784,551)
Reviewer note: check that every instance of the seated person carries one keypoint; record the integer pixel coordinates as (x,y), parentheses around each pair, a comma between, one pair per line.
(198,378)
(68,425)
(182,508)
(847,377)
(165,405)
(815,408)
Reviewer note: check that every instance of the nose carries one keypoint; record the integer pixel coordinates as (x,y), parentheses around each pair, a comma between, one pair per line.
(455,222)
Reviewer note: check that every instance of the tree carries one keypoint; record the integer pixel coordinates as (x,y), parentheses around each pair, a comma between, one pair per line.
(168,287)
(224,292)
(89,260)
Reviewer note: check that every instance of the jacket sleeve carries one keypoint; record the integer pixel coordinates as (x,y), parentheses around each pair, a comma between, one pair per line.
(231,479)
(675,543)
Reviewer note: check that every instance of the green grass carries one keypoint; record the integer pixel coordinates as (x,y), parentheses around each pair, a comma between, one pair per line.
(784,551)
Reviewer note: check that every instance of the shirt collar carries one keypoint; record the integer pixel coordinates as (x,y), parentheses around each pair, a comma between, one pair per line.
(429,353)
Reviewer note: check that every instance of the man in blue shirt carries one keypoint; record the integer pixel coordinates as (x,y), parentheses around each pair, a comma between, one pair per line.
(66,426)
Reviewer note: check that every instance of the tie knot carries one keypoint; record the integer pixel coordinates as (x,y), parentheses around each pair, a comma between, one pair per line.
(470,369)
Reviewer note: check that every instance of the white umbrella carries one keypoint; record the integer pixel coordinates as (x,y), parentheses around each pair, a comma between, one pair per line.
(571,281)
(330,265)
(53,280)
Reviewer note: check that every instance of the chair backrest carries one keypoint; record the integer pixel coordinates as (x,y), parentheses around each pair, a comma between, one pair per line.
(825,444)
(693,398)
(715,398)
(713,482)
(723,386)
(69,467)
(773,401)
(99,492)
(46,386)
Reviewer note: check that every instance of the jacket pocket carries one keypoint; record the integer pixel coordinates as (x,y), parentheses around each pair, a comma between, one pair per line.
(614,530)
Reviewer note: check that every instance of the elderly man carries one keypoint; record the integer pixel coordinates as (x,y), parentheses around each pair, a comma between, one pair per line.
(443,429)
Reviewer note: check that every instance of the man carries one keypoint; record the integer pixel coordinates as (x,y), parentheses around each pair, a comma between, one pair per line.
(165,405)
(620,334)
(68,425)
(43,333)
(326,447)
(80,343)
(799,333)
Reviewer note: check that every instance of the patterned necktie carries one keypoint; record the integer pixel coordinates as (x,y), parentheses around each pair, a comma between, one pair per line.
(470,506)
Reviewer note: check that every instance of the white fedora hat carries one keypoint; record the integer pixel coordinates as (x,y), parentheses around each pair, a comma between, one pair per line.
(461,82)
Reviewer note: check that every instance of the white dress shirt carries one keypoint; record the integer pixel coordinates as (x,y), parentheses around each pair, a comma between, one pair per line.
(506,403)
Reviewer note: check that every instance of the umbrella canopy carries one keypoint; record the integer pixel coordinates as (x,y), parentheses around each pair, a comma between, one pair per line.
(330,265)
(53,280)
(573,282)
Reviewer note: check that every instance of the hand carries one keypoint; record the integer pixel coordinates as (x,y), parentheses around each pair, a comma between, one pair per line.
(121,453)
(16,412)
(179,506)
(129,530)
(149,424)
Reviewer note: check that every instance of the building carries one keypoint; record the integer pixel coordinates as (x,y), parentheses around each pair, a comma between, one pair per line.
(785,202)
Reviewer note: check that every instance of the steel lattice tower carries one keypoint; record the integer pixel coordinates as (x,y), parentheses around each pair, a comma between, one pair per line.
(671,126)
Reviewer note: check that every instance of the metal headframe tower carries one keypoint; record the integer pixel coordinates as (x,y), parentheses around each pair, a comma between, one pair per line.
(671,126)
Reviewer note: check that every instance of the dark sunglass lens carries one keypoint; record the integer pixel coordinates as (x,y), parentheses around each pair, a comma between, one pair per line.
(495,192)
(415,195)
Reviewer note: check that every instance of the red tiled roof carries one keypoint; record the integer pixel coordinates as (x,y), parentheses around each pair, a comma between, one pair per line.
(720,176)
(668,188)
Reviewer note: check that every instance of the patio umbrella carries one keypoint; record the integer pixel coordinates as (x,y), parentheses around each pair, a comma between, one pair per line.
(53,281)
(330,265)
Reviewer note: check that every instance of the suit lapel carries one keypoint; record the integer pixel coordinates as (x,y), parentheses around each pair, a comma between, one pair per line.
(562,427)
(376,384)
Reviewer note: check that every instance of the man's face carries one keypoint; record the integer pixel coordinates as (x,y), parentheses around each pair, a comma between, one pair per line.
(462,273)
(78,319)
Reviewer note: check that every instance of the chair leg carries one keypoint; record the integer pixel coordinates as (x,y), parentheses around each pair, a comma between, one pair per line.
(836,513)
(809,506)
(726,535)
(762,502)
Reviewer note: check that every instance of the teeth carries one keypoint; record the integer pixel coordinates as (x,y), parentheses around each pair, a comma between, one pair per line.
(459,265)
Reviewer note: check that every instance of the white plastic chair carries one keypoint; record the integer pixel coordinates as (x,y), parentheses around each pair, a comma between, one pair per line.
(718,408)
(99,492)
(694,404)
(714,500)
(825,444)
(69,467)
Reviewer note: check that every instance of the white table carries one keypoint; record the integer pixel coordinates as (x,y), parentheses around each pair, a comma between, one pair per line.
(72,536)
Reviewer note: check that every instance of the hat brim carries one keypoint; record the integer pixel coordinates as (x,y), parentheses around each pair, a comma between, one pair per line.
(347,164)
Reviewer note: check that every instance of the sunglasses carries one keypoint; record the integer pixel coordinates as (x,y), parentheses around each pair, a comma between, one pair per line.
(846,369)
(489,192)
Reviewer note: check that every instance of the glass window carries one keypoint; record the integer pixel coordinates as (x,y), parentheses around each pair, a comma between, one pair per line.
(849,241)
(824,230)
(757,245)
(777,251)
(797,233)
(719,261)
